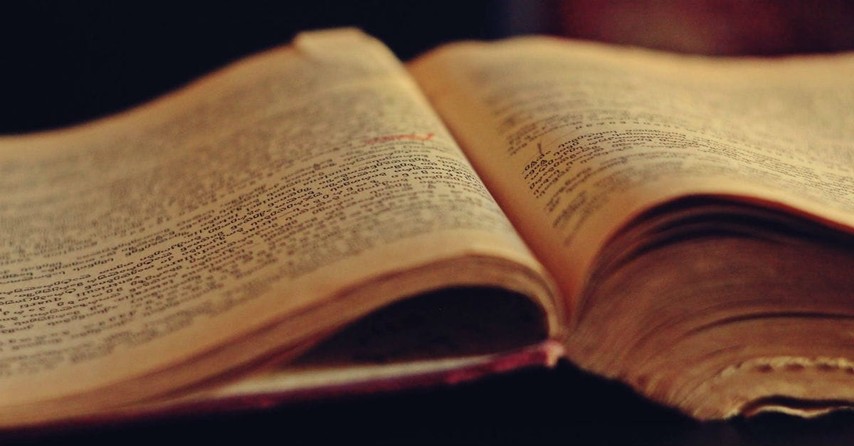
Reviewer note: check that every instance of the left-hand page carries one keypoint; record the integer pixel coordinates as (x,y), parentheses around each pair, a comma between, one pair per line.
(249,214)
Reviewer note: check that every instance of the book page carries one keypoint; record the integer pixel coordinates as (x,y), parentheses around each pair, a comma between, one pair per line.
(250,213)
(575,139)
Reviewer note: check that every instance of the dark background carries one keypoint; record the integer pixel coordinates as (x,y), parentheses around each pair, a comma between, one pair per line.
(63,63)
(66,62)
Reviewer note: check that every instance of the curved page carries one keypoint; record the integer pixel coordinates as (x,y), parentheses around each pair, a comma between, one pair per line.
(575,139)
(239,217)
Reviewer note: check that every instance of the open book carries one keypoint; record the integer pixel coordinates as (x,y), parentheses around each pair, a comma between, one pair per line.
(321,218)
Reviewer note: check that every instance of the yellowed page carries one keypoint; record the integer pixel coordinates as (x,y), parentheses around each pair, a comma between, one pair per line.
(239,217)
(574,138)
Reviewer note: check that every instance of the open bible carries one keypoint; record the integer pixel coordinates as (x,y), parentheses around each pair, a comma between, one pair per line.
(322,218)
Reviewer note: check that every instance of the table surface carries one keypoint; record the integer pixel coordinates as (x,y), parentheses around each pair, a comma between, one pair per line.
(533,406)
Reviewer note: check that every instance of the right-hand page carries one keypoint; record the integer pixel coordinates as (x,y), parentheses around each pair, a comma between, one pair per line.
(576,139)
(696,213)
